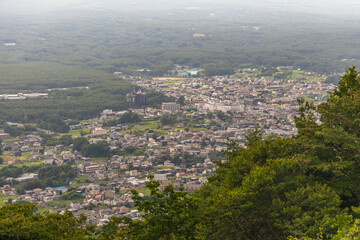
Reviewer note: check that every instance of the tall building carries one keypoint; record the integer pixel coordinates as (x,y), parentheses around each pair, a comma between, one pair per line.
(170,107)
(138,100)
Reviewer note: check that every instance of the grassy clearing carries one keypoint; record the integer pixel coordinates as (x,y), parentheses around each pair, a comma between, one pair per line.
(7,158)
(77,133)
(300,76)
(2,198)
(78,181)
(151,125)
(171,84)
(193,130)
(169,79)
(147,125)
(10,140)
(24,156)
(145,191)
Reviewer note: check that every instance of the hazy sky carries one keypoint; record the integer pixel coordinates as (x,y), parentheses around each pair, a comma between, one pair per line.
(338,7)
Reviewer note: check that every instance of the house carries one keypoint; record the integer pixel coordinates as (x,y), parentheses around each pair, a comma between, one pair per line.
(92,168)
(99,132)
(7,190)
(109,194)
(48,153)
(48,161)
(4,136)
(27,176)
(192,186)
(34,158)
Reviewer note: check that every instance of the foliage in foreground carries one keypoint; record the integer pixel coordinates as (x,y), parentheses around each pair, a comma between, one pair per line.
(22,222)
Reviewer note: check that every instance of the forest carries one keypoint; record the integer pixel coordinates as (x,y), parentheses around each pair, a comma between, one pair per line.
(53,51)
(300,187)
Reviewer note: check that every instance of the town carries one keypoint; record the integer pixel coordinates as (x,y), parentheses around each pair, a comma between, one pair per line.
(179,142)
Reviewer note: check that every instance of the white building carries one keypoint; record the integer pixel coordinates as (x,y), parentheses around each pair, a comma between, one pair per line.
(170,107)
(99,132)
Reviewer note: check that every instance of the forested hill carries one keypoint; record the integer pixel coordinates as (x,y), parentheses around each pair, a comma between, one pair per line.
(83,48)
(111,41)
(303,187)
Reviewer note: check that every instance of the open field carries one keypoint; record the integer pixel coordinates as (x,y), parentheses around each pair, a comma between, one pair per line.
(77,133)
(7,158)
(179,79)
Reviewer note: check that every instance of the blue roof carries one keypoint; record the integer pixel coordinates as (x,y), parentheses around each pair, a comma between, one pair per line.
(60,188)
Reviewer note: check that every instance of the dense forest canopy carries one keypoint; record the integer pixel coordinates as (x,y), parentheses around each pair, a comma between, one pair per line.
(53,51)
(111,41)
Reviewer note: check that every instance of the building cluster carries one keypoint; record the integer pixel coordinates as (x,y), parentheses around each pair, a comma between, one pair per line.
(254,101)
(23,96)
(183,153)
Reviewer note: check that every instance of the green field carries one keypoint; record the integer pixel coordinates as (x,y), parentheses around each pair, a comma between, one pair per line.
(77,132)
(2,198)
(145,191)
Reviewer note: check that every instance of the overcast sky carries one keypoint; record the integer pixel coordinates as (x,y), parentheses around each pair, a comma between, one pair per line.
(338,7)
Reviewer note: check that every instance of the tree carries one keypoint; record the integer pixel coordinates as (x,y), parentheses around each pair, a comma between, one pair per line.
(221,115)
(1,151)
(333,79)
(169,214)
(54,123)
(349,227)
(218,69)
(71,194)
(100,149)
(332,145)
(350,82)
(79,143)
(263,192)
(181,100)
(21,221)
(168,119)
(130,117)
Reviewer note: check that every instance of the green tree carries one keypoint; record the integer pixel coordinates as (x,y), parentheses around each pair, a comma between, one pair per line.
(168,119)
(130,117)
(181,100)
(54,123)
(21,221)
(349,227)
(100,149)
(71,194)
(79,143)
(221,115)
(262,192)
(350,82)
(332,144)
(169,214)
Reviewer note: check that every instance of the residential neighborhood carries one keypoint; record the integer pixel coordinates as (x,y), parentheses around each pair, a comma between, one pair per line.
(179,142)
